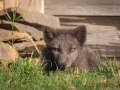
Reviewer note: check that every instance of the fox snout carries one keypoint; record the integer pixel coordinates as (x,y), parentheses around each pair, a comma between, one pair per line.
(63,61)
(63,65)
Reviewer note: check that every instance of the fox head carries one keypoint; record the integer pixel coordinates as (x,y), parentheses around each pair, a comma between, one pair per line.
(64,45)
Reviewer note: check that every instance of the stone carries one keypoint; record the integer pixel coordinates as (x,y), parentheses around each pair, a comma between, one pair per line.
(6,35)
(7,53)
(22,46)
(36,34)
(33,17)
(27,48)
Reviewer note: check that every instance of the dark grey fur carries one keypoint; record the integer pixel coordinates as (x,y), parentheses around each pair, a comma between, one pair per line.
(65,48)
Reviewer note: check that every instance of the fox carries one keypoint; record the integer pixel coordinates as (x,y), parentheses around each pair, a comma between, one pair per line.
(66,49)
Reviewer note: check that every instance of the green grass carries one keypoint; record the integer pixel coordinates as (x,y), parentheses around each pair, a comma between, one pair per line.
(24,75)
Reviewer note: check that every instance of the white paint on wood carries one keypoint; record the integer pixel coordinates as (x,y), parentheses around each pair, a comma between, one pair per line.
(10,3)
(1,4)
(29,5)
(42,6)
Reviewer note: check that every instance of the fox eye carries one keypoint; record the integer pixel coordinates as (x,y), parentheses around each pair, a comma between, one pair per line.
(72,49)
(56,49)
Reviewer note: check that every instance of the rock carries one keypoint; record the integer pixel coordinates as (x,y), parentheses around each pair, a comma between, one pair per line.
(22,46)
(6,35)
(7,53)
(33,17)
(36,34)
(42,19)
(27,48)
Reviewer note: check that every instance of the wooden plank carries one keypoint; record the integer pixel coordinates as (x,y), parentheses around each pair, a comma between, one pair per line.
(85,10)
(103,33)
(1,4)
(29,5)
(106,50)
(81,2)
(32,5)
(10,3)
(83,7)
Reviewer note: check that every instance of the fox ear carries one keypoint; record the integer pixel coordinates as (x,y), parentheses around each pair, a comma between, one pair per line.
(80,33)
(49,33)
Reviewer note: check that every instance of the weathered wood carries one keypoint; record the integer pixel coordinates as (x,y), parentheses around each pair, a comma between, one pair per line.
(32,5)
(103,33)
(81,2)
(83,7)
(106,50)
(10,3)
(1,4)
(29,5)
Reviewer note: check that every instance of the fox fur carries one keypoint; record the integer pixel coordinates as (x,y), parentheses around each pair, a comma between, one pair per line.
(66,49)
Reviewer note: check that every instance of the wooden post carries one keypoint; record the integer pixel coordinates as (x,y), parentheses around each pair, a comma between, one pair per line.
(1,4)
(10,3)
(29,5)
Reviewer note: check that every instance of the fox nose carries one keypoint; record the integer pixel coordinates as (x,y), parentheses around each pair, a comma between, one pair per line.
(64,64)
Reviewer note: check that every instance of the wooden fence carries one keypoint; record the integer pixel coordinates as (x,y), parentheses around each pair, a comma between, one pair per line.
(1,4)
(29,5)
(83,7)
